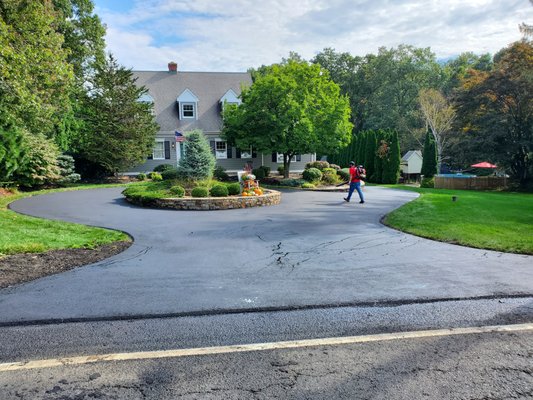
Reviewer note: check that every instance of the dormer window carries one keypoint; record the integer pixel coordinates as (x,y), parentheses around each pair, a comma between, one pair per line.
(230,97)
(187,110)
(188,105)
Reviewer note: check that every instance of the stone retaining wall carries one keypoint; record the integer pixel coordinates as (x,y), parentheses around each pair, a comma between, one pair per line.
(269,198)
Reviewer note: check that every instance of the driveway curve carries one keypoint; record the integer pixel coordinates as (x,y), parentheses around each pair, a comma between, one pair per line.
(311,250)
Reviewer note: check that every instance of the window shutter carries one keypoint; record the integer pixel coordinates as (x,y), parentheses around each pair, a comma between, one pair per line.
(150,156)
(167,150)
(254,153)
(179,109)
(229,151)
(237,153)
(274,157)
(213,146)
(298,157)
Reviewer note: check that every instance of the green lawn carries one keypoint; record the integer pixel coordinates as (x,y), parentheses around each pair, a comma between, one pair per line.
(23,234)
(490,220)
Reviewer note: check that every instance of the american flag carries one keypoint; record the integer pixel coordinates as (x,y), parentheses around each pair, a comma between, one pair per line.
(179,137)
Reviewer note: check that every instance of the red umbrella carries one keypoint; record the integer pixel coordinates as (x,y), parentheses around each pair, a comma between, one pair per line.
(484,164)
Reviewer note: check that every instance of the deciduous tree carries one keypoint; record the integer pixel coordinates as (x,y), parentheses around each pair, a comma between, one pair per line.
(294,108)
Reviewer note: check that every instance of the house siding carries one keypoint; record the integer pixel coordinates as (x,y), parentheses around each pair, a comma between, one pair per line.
(209,87)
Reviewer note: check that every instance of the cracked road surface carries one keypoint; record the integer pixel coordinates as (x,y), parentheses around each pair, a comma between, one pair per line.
(312,250)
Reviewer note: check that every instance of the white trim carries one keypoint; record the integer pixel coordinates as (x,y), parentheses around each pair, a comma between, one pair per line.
(153,150)
(221,154)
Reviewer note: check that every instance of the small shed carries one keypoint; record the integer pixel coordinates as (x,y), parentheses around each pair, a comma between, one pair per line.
(411,165)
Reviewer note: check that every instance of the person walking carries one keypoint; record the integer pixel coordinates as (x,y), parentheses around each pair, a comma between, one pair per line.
(356,173)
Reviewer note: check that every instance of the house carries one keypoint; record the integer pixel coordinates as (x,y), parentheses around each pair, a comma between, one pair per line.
(411,165)
(183,101)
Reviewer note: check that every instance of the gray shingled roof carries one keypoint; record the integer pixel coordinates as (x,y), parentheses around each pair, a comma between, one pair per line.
(164,87)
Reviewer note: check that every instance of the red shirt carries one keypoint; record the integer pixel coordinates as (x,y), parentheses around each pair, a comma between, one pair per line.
(354,174)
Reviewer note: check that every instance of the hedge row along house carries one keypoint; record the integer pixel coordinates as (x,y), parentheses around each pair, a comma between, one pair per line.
(183,101)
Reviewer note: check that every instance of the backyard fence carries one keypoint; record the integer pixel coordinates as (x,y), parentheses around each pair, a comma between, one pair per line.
(471,183)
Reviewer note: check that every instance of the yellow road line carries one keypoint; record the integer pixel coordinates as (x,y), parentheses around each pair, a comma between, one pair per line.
(148,355)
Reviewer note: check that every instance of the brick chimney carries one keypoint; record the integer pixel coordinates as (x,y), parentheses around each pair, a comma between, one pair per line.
(172,67)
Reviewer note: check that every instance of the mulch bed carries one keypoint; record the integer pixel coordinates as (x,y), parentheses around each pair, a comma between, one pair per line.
(19,268)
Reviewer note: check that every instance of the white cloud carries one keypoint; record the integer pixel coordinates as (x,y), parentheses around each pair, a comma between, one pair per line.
(232,35)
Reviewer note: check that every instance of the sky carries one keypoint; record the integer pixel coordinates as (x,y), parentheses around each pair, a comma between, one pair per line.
(234,35)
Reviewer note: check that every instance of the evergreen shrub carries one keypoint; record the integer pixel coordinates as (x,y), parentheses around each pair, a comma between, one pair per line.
(329,176)
(308,185)
(163,167)
(219,191)
(428,183)
(177,190)
(234,188)
(317,164)
(155,176)
(344,174)
(200,191)
(141,176)
(170,174)
(291,182)
(259,173)
(220,174)
(312,174)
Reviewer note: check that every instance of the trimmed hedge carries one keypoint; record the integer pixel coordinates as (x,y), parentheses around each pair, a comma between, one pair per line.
(312,174)
(200,191)
(219,191)
(170,174)
(177,190)
(234,188)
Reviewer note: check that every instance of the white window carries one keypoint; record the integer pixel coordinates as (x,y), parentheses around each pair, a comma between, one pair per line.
(158,152)
(246,153)
(280,158)
(221,149)
(188,110)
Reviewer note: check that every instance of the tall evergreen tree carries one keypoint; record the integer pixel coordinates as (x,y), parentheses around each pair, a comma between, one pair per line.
(429,157)
(370,153)
(198,162)
(391,168)
(119,129)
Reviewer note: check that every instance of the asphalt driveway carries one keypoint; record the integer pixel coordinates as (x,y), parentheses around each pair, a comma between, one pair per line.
(311,250)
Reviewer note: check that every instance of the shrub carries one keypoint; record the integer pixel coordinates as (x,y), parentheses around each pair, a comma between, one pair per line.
(317,164)
(146,192)
(163,167)
(335,167)
(281,170)
(291,182)
(177,190)
(170,174)
(428,183)
(266,169)
(329,176)
(40,163)
(220,174)
(200,191)
(308,185)
(155,176)
(66,170)
(344,174)
(141,176)
(234,188)
(259,173)
(312,174)
(198,162)
(219,191)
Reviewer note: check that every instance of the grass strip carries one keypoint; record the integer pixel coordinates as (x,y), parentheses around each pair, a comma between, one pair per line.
(499,221)
(25,234)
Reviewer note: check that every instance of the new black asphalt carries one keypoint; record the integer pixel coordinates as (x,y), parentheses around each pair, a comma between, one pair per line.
(311,251)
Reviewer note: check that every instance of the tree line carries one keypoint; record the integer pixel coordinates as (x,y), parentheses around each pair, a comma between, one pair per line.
(61,95)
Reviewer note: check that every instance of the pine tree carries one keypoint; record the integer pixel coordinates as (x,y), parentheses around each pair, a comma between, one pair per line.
(370,153)
(391,167)
(119,129)
(429,157)
(12,152)
(198,162)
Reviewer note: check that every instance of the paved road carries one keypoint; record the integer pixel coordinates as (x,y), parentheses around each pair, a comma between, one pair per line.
(312,250)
